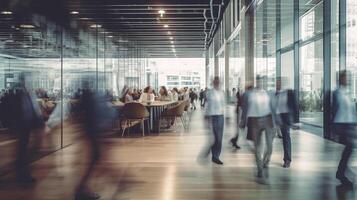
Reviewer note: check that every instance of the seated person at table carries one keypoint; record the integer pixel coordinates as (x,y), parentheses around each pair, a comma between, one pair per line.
(147,95)
(164,94)
(175,94)
(135,95)
(127,96)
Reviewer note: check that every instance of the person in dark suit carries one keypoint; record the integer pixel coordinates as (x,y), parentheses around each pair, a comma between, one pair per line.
(285,115)
(239,97)
(23,119)
(344,117)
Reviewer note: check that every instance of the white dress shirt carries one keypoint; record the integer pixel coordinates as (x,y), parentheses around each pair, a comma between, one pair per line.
(258,103)
(346,112)
(215,102)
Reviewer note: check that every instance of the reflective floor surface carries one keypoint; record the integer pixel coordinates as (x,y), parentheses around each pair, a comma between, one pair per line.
(164,167)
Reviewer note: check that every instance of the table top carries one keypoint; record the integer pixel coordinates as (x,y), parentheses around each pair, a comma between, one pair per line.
(159,103)
(152,104)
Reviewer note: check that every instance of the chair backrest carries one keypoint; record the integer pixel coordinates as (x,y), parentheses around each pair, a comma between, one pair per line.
(177,110)
(135,111)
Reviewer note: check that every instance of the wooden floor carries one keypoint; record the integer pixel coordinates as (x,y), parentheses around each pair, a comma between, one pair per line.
(164,167)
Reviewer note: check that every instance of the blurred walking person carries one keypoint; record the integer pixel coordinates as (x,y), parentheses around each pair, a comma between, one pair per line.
(239,102)
(257,117)
(345,124)
(286,110)
(24,118)
(214,114)
(97,117)
(193,98)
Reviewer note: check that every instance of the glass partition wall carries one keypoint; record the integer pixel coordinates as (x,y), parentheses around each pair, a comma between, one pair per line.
(57,64)
(306,41)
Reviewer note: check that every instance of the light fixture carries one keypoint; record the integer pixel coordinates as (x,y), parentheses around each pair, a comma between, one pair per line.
(74,12)
(171,38)
(173,46)
(109,36)
(5,12)
(96,26)
(169,32)
(172,42)
(161,12)
(173,50)
(27,26)
(166,26)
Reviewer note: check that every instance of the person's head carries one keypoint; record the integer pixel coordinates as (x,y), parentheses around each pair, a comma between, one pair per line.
(343,78)
(216,82)
(175,90)
(148,90)
(163,91)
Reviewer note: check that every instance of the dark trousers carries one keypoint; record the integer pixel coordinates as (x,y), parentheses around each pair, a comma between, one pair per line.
(217,126)
(348,130)
(345,157)
(22,160)
(236,136)
(285,131)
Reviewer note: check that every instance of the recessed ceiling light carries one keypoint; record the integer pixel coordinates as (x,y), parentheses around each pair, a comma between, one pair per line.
(173,50)
(173,46)
(96,26)
(166,26)
(5,12)
(161,12)
(109,36)
(172,42)
(27,26)
(171,38)
(169,33)
(74,12)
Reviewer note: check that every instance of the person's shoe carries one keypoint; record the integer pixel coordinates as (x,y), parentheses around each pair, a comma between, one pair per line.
(234,143)
(86,196)
(260,174)
(217,161)
(286,165)
(344,181)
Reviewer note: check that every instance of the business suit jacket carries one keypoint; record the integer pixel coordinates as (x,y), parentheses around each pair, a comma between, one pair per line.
(293,109)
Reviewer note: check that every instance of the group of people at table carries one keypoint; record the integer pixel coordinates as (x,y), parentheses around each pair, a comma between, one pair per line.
(148,95)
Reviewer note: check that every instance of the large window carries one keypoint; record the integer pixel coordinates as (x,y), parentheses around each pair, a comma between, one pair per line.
(311,83)
(287,69)
(351,46)
(287,22)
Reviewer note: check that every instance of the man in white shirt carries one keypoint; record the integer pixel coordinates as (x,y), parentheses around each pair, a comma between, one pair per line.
(345,125)
(215,112)
(257,117)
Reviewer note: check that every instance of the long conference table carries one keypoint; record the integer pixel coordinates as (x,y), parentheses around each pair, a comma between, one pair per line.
(155,109)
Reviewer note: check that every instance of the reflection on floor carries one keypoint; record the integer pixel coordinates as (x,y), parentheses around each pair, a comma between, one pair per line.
(164,167)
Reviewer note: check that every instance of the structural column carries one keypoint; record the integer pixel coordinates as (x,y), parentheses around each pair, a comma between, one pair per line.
(327,68)
(249,46)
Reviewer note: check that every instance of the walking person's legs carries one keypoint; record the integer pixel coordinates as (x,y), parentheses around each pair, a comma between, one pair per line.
(234,140)
(217,123)
(269,137)
(342,166)
(257,138)
(285,130)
